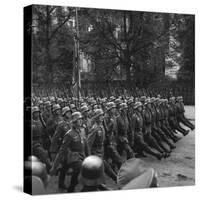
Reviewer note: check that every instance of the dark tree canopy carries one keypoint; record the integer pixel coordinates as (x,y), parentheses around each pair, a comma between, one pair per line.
(124,45)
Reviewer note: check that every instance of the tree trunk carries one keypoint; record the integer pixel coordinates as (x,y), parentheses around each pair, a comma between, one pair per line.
(47,46)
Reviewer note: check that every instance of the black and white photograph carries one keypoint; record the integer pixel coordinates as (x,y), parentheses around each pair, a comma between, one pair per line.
(109,99)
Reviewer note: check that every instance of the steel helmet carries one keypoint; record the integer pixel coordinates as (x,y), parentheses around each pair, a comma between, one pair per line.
(33,159)
(179,98)
(72,106)
(92,171)
(147,101)
(142,98)
(123,106)
(166,100)
(52,99)
(97,113)
(83,104)
(44,99)
(95,107)
(130,101)
(65,109)
(47,103)
(118,101)
(76,116)
(157,100)
(40,102)
(60,100)
(152,99)
(112,98)
(137,104)
(172,99)
(158,96)
(56,107)
(110,105)
(37,168)
(35,109)
(84,109)
(147,179)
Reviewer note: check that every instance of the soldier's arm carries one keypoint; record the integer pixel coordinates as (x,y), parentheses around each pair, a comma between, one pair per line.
(48,126)
(133,123)
(63,150)
(87,148)
(91,137)
(120,127)
(42,121)
(55,138)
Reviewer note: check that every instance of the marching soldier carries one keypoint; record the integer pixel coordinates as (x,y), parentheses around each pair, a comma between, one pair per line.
(47,111)
(55,119)
(37,138)
(155,132)
(75,148)
(73,108)
(61,102)
(180,113)
(148,128)
(173,118)
(87,121)
(164,124)
(140,144)
(41,105)
(96,141)
(57,139)
(123,131)
(157,125)
(110,126)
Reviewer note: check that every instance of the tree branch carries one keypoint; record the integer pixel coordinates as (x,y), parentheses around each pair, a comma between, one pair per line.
(56,30)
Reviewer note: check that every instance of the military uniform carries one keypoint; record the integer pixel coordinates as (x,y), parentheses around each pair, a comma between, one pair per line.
(173,119)
(157,127)
(96,140)
(87,123)
(61,129)
(140,144)
(74,149)
(164,126)
(180,115)
(46,115)
(57,140)
(122,136)
(52,124)
(155,132)
(96,143)
(37,143)
(110,144)
(147,130)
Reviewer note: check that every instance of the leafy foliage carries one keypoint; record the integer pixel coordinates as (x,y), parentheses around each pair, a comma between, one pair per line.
(129,45)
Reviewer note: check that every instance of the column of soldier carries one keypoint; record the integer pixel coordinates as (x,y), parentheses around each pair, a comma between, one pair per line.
(66,131)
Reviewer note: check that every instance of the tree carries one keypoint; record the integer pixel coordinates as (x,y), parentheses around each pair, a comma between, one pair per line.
(52,44)
(121,38)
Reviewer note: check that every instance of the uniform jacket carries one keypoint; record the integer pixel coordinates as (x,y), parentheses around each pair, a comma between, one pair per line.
(138,121)
(37,131)
(74,147)
(96,140)
(52,124)
(58,136)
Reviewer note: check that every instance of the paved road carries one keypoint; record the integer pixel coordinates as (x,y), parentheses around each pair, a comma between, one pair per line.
(177,170)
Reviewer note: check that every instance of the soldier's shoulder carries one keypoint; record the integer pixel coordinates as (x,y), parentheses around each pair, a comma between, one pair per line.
(94,128)
(70,133)
(134,114)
